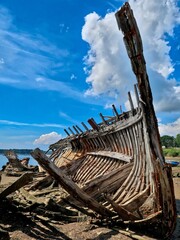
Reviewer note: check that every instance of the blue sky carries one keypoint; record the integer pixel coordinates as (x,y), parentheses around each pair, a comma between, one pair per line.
(63,62)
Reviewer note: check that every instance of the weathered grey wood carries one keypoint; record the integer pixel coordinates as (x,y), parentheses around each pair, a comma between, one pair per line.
(30,198)
(68,184)
(58,216)
(108,182)
(121,109)
(159,176)
(134,203)
(16,163)
(84,125)
(79,129)
(77,207)
(115,155)
(20,182)
(42,183)
(66,132)
(115,111)
(76,130)
(122,212)
(134,47)
(93,124)
(71,131)
(103,119)
(131,102)
(136,94)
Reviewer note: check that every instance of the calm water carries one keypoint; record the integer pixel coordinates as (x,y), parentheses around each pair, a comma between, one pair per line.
(3,159)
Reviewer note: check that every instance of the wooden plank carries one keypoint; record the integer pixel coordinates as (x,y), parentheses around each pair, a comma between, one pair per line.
(108,182)
(136,94)
(66,132)
(76,130)
(103,119)
(80,130)
(93,124)
(134,203)
(20,182)
(115,111)
(114,155)
(69,185)
(84,125)
(131,102)
(161,185)
(122,212)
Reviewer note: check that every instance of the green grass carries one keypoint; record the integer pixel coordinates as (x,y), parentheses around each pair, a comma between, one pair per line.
(171,152)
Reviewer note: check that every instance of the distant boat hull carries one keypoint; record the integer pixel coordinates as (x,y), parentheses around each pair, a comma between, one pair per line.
(172,163)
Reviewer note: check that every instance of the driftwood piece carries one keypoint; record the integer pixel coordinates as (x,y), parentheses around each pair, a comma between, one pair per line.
(20,182)
(32,199)
(17,164)
(43,183)
(14,161)
(80,209)
(69,185)
(57,216)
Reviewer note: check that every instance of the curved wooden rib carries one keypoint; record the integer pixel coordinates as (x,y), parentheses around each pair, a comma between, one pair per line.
(119,165)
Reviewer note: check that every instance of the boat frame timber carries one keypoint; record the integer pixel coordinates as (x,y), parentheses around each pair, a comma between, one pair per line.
(116,170)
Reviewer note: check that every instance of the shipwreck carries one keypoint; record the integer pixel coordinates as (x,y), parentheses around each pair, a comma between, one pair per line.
(114,171)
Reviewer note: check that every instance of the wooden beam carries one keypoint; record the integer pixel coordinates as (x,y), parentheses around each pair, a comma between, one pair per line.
(115,111)
(115,155)
(79,129)
(20,182)
(136,94)
(66,132)
(93,124)
(122,212)
(121,109)
(76,130)
(131,102)
(103,119)
(71,131)
(69,185)
(84,125)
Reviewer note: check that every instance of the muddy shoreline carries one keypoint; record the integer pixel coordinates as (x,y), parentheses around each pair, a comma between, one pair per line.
(25,226)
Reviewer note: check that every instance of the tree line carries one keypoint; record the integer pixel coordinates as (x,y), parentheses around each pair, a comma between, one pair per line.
(18,151)
(170,141)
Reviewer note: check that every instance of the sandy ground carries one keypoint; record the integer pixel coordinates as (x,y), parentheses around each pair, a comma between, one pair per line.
(24,227)
(176,181)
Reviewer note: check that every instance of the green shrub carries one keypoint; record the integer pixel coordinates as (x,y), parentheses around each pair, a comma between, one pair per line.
(165,151)
(171,152)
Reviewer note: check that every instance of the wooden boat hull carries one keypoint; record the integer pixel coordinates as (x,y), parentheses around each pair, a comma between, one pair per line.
(117,169)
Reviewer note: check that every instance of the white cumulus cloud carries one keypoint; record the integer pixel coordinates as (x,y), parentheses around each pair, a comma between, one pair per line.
(171,129)
(46,139)
(107,65)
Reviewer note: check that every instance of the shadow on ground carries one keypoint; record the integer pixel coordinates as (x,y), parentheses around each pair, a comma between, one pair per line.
(11,221)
